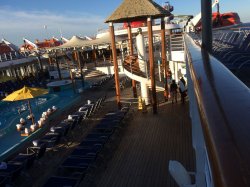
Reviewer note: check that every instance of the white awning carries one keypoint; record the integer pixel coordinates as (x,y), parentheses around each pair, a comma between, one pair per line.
(76,42)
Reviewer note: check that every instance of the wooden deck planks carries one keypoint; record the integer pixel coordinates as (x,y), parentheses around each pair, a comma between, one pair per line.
(147,145)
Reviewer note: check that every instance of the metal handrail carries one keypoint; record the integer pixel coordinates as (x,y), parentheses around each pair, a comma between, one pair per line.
(223,102)
(134,68)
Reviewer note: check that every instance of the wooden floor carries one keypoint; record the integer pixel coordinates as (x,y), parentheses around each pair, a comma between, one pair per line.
(143,147)
(146,146)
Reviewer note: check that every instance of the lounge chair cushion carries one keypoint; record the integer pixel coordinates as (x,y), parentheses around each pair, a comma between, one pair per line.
(179,173)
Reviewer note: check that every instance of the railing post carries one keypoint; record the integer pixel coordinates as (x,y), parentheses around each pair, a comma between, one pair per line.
(206,15)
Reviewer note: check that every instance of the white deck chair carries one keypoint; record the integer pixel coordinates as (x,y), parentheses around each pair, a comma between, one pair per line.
(180,174)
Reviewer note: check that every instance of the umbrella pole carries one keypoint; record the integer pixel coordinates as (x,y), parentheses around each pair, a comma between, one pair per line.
(31,114)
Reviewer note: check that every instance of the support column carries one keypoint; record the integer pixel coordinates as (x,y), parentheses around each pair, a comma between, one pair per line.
(206,20)
(151,61)
(83,59)
(131,52)
(40,63)
(80,66)
(28,70)
(144,93)
(22,71)
(9,72)
(36,67)
(110,54)
(140,44)
(25,71)
(94,56)
(117,83)
(163,57)
(16,73)
(176,71)
(50,61)
(72,81)
(58,68)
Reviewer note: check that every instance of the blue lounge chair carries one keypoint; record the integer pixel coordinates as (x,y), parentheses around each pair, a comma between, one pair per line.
(97,136)
(39,150)
(61,182)
(86,152)
(88,143)
(26,160)
(3,180)
(12,171)
(77,164)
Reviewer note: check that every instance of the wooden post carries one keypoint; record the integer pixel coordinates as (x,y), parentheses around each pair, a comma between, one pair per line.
(16,74)
(151,62)
(75,56)
(50,61)
(110,54)
(94,56)
(58,68)
(80,67)
(130,43)
(130,40)
(117,83)
(72,81)
(40,62)
(163,57)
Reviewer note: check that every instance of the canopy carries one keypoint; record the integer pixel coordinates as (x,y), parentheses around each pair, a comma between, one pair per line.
(25,93)
(132,10)
(76,41)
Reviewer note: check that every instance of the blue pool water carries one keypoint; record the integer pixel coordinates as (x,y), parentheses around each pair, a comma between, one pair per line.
(9,110)
(9,115)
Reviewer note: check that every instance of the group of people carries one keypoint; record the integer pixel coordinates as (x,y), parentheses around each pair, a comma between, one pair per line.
(182,90)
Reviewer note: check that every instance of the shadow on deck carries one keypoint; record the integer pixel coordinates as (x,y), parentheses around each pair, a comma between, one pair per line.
(147,145)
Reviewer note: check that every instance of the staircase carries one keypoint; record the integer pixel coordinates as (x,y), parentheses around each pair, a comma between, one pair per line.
(177,48)
(69,62)
(88,73)
(132,70)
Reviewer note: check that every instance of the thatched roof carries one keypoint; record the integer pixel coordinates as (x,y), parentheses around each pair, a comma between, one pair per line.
(132,10)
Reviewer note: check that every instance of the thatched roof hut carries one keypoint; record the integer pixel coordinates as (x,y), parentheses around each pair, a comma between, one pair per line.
(132,10)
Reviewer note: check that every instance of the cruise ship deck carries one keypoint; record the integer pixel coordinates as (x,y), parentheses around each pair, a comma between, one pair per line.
(148,143)
(203,143)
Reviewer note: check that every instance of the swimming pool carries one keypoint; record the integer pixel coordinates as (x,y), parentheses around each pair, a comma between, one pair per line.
(9,116)
(9,110)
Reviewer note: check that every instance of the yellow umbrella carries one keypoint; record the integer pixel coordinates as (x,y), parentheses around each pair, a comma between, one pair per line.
(26,93)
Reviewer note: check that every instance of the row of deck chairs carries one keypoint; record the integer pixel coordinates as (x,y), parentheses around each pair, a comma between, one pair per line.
(232,49)
(57,134)
(101,82)
(86,155)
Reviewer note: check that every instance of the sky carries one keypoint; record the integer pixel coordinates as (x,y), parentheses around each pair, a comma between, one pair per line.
(27,18)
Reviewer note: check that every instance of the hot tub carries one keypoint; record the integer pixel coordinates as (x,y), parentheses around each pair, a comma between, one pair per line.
(58,86)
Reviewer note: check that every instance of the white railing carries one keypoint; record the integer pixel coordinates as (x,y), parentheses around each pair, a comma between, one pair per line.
(219,110)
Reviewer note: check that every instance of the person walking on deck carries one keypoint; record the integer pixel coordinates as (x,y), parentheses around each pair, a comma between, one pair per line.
(173,91)
(182,89)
